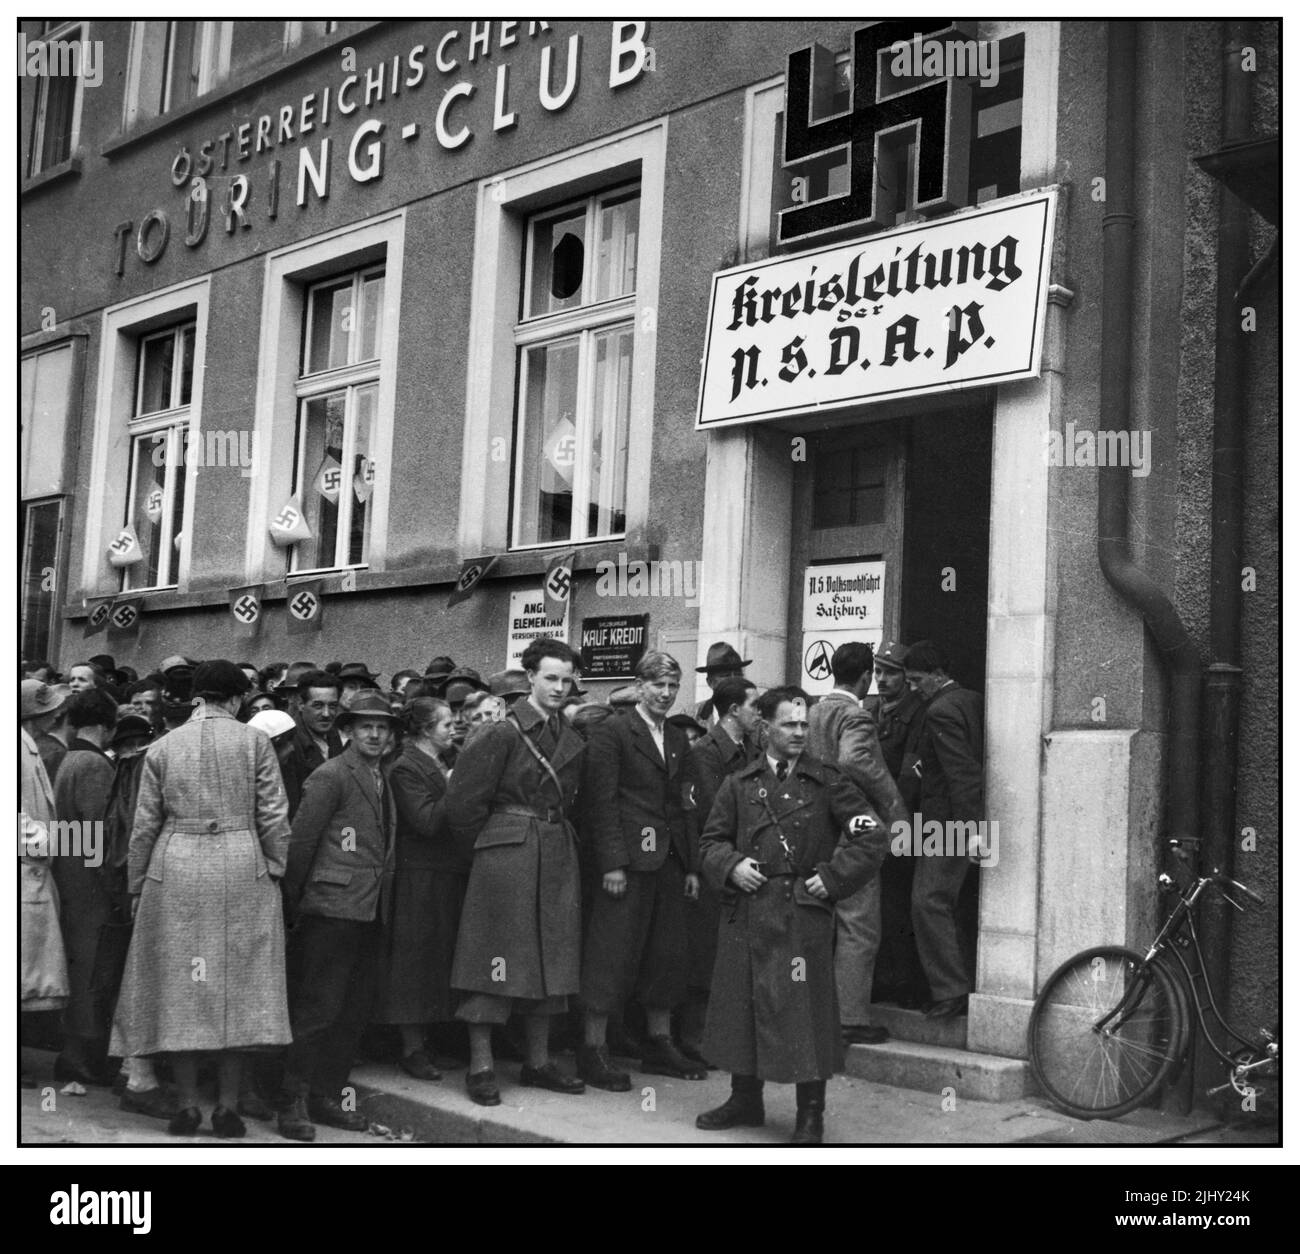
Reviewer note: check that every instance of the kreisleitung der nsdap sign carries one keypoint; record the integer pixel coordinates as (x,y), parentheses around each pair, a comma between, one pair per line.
(931,307)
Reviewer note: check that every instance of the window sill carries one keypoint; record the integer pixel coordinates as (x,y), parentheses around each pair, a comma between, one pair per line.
(71,168)
(263,73)
(439,578)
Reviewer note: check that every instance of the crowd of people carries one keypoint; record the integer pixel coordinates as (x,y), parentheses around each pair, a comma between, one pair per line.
(249,876)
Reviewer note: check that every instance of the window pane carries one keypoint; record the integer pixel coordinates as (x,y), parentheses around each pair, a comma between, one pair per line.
(372,302)
(156,356)
(187,364)
(617,225)
(59,96)
(181,82)
(611,406)
(548,447)
(40,559)
(331,321)
(320,454)
(558,261)
(149,480)
(46,380)
(171,559)
(361,480)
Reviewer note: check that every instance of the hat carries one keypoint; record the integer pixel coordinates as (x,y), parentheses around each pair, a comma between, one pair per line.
(40,698)
(462,681)
(368,703)
(105,662)
(220,678)
(131,727)
(359,670)
(509,683)
(721,657)
(893,655)
(440,666)
(624,696)
(177,662)
(687,723)
(273,722)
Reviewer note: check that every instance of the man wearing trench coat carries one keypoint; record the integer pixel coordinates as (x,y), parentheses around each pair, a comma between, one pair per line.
(772,846)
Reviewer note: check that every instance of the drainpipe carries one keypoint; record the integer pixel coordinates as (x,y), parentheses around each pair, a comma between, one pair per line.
(1223,676)
(1177,652)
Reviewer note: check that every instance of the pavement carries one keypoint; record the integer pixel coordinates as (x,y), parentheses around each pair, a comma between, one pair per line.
(657,1111)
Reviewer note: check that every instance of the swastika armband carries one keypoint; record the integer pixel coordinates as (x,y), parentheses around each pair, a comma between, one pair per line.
(861,824)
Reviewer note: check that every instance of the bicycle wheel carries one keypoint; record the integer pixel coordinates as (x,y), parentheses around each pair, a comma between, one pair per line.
(1104,1032)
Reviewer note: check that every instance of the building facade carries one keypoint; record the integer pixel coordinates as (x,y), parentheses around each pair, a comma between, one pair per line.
(346,307)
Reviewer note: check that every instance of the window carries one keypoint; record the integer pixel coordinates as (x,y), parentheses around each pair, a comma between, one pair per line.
(338,395)
(48,375)
(848,486)
(575,347)
(57,115)
(296,33)
(42,524)
(172,64)
(159,436)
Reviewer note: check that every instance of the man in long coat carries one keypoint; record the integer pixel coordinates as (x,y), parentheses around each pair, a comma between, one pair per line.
(510,796)
(773,842)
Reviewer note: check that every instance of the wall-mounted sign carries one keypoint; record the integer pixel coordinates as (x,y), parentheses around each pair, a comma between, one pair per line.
(840,603)
(930,307)
(528,622)
(612,645)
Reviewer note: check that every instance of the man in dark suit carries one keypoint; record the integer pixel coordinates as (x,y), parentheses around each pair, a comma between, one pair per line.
(338,891)
(950,749)
(316,739)
(721,662)
(841,731)
(644,847)
(727,746)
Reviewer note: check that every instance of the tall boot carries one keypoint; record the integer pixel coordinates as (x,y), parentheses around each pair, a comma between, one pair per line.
(743,1109)
(810,1095)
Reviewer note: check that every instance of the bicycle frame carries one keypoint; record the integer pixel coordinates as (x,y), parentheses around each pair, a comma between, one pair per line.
(1180,919)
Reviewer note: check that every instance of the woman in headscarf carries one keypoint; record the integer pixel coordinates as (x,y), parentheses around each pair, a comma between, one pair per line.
(205,973)
(429,886)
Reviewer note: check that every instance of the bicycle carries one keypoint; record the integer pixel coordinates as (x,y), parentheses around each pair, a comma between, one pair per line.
(1111,1024)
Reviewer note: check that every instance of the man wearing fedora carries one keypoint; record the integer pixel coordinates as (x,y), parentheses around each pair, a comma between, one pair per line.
(43,712)
(337,891)
(354,676)
(721,662)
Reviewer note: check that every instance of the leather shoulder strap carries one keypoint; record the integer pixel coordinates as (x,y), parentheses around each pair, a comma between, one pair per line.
(542,759)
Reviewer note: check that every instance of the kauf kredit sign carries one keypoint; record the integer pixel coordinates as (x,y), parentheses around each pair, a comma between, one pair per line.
(930,307)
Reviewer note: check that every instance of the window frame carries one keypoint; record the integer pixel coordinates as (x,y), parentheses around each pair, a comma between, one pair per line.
(583,322)
(505,202)
(52,614)
(40,111)
(347,379)
(173,423)
(290,272)
(123,328)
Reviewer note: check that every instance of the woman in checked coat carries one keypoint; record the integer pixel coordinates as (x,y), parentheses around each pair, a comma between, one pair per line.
(205,973)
